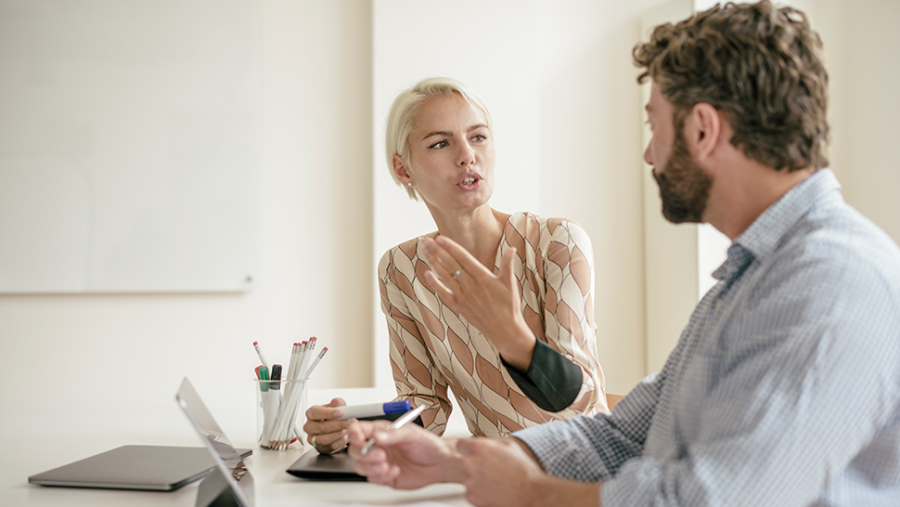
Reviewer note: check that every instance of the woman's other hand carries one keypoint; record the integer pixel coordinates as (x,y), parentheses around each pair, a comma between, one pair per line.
(324,430)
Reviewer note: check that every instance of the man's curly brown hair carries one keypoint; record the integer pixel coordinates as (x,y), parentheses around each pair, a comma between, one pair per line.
(758,64)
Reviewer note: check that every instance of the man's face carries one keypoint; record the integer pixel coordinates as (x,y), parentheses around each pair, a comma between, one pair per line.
(683,187)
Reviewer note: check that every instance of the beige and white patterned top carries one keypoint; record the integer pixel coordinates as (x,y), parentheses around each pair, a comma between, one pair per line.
(432,347)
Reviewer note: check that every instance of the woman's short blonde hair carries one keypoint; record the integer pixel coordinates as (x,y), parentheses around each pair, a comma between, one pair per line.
(401,120)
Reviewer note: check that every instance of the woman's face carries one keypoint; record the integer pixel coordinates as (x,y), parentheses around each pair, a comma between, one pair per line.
(451,155)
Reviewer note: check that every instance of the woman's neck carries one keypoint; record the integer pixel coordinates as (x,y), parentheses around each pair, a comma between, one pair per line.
(478,231)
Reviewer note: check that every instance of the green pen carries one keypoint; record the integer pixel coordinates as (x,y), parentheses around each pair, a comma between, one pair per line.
(263,375)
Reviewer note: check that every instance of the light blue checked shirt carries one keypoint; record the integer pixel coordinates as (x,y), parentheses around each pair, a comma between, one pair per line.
(784,389)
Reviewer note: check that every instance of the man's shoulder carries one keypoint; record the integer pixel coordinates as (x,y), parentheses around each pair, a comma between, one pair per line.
(842,238)
(832,258)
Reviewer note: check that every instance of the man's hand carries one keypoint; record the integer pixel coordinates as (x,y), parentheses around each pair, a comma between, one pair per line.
(502,472)
(404,458)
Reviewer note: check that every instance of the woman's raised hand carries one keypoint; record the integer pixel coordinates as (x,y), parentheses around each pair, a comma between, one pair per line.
(489,302)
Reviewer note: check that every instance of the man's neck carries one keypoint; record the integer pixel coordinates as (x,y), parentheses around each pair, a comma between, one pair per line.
(742,192)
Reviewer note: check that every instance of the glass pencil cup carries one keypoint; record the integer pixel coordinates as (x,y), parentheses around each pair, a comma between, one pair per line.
(280,414)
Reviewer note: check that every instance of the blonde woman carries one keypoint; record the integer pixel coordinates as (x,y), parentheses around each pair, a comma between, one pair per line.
(496,307)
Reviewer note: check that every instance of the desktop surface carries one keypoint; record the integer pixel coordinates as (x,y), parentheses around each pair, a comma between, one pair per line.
(67,429)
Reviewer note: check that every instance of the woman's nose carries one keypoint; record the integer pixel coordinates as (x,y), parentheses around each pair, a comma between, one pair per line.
(467,155)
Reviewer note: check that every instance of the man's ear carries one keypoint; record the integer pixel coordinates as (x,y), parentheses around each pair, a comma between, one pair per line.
(401,171)
(703,130)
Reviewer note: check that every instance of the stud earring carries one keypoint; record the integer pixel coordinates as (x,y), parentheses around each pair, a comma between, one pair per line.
(408,183)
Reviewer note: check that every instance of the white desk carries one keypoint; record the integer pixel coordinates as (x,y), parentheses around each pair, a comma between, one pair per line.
(54,432)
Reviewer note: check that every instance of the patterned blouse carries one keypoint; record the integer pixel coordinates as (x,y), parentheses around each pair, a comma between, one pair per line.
(432,348)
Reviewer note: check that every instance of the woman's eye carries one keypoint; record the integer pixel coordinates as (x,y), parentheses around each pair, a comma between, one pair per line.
(479,138)
(439,144)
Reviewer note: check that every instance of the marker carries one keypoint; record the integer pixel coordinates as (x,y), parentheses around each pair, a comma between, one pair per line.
(275,394)
(259,353)
(374,409)
(405,418)
(270,405)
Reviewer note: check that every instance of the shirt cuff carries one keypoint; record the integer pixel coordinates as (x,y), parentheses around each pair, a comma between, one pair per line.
(552,381)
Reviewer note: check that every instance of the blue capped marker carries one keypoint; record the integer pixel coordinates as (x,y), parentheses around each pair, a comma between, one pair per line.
(374,409)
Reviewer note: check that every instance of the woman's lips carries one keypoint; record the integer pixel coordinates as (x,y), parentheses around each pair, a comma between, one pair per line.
(469,182)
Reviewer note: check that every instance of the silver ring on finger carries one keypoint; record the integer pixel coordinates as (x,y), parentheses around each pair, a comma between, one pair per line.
(456,273)
(313,441)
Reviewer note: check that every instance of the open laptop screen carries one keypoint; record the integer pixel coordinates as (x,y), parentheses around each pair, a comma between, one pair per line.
(231,471)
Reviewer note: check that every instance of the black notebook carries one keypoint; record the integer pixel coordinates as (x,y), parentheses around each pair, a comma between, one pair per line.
(334,467)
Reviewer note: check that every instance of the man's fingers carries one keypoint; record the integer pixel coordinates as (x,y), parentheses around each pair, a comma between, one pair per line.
(359,433)
(467,446)
(377,472)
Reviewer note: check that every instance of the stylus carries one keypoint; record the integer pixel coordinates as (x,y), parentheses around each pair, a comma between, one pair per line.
(405,418)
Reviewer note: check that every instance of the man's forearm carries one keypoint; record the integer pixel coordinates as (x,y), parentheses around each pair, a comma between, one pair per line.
(553,491)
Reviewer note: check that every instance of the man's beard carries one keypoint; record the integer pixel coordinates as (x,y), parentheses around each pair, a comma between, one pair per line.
(683,187)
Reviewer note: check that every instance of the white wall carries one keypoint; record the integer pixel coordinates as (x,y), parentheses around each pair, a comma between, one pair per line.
(591,162)
(861,43)
(314,249)
(576,145)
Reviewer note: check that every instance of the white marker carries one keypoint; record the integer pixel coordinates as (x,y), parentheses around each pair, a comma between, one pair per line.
(374,409)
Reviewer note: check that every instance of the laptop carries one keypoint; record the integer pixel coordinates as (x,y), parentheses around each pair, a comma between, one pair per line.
(137,467)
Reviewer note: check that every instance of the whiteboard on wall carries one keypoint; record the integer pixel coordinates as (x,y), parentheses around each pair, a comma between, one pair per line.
(129,145)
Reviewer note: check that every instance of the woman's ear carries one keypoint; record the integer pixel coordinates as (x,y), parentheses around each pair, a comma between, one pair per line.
(401,171)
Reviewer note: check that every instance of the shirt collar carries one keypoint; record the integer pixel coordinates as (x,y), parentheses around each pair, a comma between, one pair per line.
(765,233)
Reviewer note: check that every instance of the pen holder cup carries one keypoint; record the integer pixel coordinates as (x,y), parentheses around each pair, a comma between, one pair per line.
(280,414)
